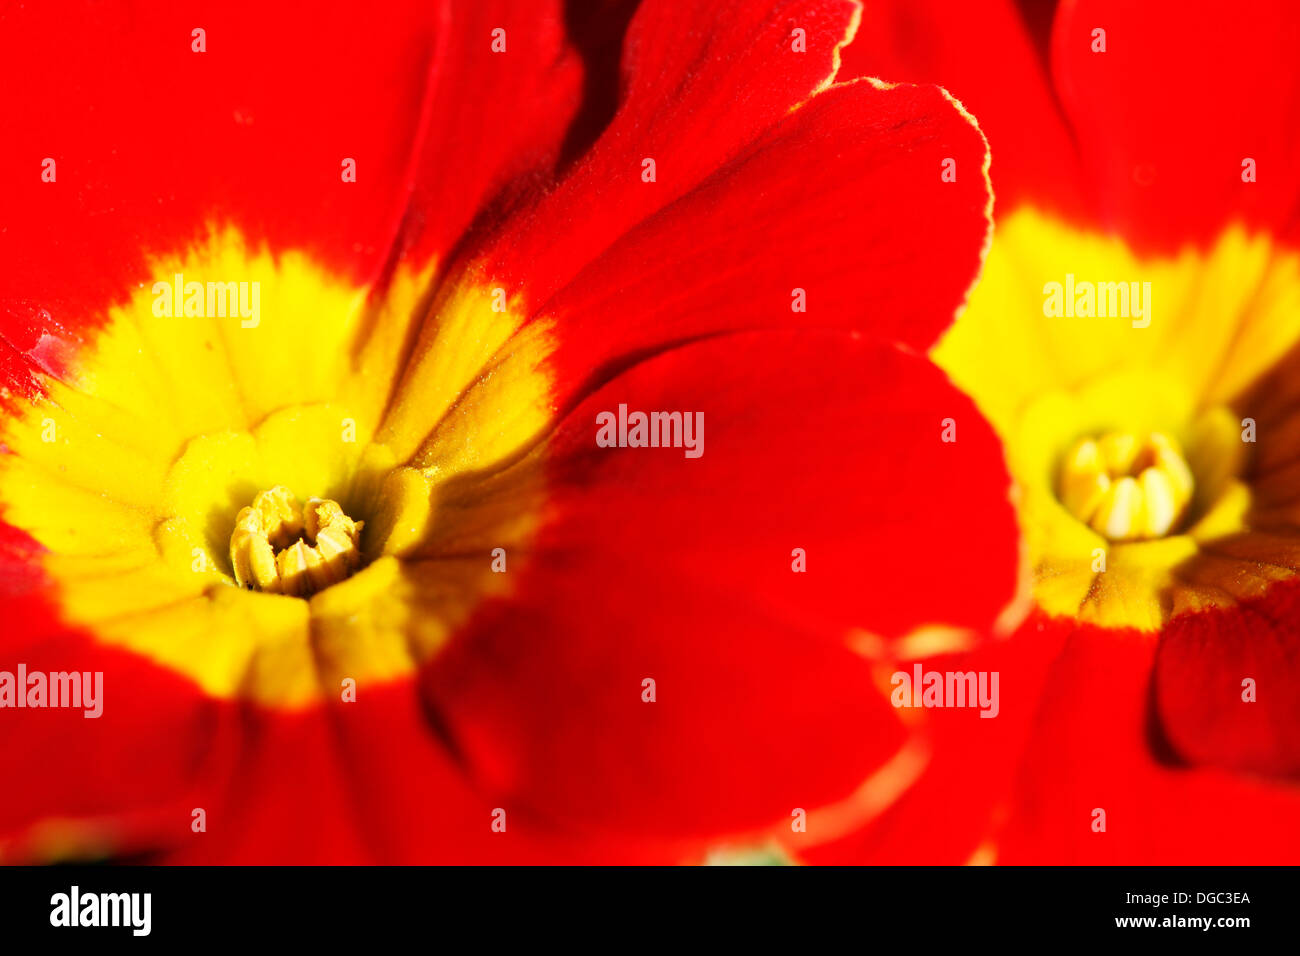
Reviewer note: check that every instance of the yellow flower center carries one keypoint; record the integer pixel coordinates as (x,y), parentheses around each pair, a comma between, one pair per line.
(1152,461)
(1125,486)
(159,474)
(284,549)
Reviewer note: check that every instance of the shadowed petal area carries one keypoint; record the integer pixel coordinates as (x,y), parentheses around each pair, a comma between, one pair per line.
(358,782)
(1204,659)
(1206,655)
(693,99)
(655,565)
(1095,746)
(497,112)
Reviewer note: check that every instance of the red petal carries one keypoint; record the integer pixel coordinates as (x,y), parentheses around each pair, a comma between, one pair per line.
(952,812)
(877,242)
(983,55)
(1165,117)
(676,569)
(154,142)
(1203,660)
(418,803)
(370,781)
(1095,746)
(679,108)
(491,116)
(415,800)
(120,784)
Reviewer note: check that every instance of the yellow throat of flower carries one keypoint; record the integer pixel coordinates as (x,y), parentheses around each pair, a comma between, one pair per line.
(159,474)
(1131,443)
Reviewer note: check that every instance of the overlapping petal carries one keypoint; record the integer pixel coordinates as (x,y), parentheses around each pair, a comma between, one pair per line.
(985,55)
(835,217)
(680,570)
(678,108)
(1096,746)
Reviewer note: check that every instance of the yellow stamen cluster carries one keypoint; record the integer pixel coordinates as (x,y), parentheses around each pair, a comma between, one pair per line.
(1127,487)
(283,549)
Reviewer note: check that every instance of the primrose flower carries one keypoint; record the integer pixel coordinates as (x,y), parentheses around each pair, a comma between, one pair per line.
(1134,340)
(311,328)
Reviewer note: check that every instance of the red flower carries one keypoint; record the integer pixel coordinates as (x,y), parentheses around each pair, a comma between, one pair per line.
(1157,681)
(441,319)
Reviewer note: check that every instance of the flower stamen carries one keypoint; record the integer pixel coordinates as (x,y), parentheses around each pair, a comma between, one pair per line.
(281,548)
(1125,486)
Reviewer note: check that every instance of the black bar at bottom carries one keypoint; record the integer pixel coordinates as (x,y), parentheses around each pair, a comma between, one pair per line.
(808,907)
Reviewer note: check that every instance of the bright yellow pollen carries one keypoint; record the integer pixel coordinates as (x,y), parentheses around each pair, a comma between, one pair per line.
(1125,486)
(283,549)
